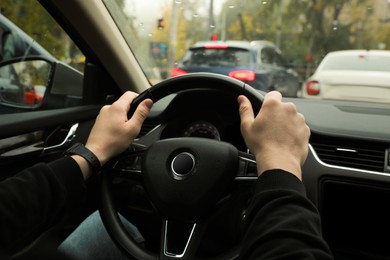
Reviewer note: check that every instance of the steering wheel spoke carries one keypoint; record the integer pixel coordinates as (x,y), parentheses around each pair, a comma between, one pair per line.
(129,164)
(180,240)
(247,168)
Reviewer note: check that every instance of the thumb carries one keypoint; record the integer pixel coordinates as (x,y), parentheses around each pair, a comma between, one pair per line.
(140,114)
(245,110)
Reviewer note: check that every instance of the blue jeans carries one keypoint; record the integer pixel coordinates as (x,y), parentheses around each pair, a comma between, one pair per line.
(90,240)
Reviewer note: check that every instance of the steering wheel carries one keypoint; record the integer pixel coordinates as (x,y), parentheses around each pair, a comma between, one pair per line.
(183,177)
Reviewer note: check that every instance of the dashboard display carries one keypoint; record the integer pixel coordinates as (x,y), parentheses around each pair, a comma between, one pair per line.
(202,129)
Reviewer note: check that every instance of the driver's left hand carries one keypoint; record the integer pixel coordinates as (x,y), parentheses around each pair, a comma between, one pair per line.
(113,132)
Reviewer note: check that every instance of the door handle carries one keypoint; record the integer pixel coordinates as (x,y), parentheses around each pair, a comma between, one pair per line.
(65,143)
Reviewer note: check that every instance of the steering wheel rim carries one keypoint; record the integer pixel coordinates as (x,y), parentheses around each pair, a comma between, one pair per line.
(194,81)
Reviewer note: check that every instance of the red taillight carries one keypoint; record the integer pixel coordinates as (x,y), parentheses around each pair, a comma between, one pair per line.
(177,72)
(245,75)
(313,87)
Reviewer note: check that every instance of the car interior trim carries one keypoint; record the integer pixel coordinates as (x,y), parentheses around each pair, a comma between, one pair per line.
(168,254)
(313,152)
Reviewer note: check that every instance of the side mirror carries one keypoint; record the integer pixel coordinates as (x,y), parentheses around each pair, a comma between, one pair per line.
(23,83)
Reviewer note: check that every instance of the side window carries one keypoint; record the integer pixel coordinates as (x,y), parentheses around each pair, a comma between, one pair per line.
(6,44)
(278,60)
(31,44)
(267,56)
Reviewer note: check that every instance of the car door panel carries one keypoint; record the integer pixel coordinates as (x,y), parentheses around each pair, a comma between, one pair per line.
(41,136)
(14,124)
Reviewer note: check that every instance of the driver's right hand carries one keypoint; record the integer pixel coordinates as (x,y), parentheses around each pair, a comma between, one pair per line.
(278,135)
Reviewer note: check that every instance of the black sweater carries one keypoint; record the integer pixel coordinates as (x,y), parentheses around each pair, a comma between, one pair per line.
(34,199)
(280,222)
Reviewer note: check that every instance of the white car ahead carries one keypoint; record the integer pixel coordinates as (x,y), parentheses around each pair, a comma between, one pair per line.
(360,75)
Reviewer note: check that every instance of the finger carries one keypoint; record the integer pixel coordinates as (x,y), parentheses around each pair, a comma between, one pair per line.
(125,100)
(272,96)
(291,107)
(245,110)
(141,113)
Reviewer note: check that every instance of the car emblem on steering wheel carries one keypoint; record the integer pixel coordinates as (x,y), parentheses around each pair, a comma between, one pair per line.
(182,165)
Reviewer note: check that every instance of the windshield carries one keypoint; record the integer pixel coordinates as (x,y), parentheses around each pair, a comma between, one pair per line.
(358,62)
(299,34)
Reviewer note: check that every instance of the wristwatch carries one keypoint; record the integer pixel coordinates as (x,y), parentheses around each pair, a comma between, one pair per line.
(80,149)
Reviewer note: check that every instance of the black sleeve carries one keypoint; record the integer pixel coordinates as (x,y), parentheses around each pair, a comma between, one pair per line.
(35,198)
(281,222)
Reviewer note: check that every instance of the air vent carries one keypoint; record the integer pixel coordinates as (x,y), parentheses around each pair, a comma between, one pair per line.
(349,152)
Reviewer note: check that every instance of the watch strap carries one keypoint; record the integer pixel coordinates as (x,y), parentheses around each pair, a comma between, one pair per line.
(90,157)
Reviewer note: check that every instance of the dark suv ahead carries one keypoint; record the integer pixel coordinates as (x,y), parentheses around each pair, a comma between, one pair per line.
(258,63)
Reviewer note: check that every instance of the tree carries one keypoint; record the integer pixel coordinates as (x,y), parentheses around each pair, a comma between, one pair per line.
(309,27)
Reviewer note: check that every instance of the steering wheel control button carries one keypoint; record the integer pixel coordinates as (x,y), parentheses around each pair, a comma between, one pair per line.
(182,165)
